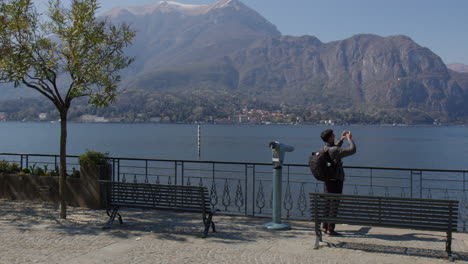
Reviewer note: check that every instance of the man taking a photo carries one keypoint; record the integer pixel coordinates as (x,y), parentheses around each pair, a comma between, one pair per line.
(334,183)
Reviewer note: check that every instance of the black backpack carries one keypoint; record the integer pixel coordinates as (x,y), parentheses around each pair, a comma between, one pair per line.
(321,165)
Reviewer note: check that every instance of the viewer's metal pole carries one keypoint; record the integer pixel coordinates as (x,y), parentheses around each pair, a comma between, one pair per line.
(278,153)
(277,193)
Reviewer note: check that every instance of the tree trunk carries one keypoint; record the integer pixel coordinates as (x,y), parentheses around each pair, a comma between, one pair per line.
(63,162)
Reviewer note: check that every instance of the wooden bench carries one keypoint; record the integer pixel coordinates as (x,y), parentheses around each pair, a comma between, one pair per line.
(157,196)
(408,213)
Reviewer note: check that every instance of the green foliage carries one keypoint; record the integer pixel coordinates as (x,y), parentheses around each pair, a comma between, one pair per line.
(33,170)
(54,172)
(4,167)
(75,173)
(68,41)
(14,168)
(9,168)
(37,171)
(94,158)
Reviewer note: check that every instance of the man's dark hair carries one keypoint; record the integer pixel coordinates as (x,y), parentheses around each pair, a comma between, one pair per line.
(326,134)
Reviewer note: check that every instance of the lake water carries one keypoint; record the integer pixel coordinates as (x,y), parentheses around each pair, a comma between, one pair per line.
(380,146)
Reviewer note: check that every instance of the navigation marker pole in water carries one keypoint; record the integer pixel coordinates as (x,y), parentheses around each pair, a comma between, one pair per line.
(199,145)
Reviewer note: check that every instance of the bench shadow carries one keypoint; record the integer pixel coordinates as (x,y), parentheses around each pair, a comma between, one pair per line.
(364,233)
(160,224)
(180,226)
(398,250)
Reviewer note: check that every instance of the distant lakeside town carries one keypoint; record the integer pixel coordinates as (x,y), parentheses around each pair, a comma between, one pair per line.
(246,116)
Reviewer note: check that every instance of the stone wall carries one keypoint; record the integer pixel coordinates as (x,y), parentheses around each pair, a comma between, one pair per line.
(83,192)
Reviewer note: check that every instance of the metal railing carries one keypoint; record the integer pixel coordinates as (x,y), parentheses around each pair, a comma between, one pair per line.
(246,188)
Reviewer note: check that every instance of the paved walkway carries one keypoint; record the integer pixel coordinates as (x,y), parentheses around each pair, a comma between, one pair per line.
(30,232)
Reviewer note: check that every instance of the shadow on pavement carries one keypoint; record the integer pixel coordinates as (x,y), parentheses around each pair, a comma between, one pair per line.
(408,251)
(404,237)
(180,226)
(167,225)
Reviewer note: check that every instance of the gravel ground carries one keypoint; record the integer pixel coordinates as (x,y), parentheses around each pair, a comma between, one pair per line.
(30,232)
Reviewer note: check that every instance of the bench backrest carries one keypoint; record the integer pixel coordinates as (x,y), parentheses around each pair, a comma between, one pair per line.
(426,214)
(157,196)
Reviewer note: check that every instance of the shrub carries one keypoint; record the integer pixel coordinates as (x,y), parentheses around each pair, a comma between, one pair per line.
(38,171)
(75,173)
(4,167)
(94,158)
(7,168)
(54,172)
(33,170)
(14,168)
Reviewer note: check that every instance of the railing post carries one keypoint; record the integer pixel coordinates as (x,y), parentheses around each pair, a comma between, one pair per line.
(113,169)
(464,182)
(419,172)
(146,168)
(246,189)
(253,190)
(213,173)
(118,170)
(21,161)
(420,185)
(411,184)
(288,198)
(175,172)
(182,172)
(465,200)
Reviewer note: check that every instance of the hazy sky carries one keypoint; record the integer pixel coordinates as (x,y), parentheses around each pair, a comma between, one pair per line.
(441,25)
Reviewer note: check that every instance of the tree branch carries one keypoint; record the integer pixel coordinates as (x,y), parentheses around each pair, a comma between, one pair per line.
(30,85)
(48,71)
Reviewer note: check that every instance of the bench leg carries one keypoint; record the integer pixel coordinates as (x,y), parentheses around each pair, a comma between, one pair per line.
(205,232)
(213,227)
(318,235)
(448,246)
(112,214)
(208,223)
(108,211)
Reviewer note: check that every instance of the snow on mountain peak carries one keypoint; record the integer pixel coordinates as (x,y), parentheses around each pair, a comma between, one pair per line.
(223,3)
(170,7)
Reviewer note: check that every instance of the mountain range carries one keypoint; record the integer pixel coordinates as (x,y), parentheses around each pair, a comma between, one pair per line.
(458,67)
(228,48)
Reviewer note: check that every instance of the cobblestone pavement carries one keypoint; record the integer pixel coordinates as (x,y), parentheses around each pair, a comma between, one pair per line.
(30,232)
